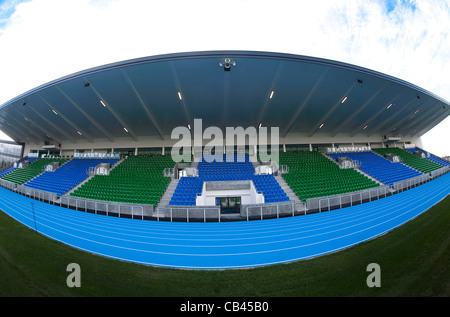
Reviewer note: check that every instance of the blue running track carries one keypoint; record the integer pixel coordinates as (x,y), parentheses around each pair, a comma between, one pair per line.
(228,244)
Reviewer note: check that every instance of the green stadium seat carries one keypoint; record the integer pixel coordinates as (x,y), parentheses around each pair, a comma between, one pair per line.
(311,175)
(423,165)
(22,175)
(138,179)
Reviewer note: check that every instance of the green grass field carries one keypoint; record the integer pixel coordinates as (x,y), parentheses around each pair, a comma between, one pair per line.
(414,261)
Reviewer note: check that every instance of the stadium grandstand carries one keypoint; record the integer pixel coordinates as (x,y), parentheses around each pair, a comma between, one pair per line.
(260,135)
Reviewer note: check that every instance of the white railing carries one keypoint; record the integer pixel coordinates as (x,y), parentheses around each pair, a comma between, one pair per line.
(440,172)
(107,207)
(8,185)
(289,208)
(410,183)
(36,194)
(283,169)
(188,213)
(338,201)
(254,211)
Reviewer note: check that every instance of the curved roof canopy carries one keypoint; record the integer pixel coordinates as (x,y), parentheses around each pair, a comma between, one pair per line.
(151,96)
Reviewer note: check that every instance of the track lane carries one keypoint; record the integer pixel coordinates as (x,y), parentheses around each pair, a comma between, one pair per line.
(225,245)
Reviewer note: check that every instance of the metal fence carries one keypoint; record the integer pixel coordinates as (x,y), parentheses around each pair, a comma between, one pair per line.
(348,199)
(440,172)
(188,213)
(247,212)
(271,210)
(29,192)
(8,185)
(108,208)
(410,183)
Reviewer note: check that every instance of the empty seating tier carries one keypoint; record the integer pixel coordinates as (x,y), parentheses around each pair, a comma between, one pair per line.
(431,157)
(67,176)
(21,175)
(269,187)
(186,192)
(237,168)
(12,168)
(311,175)
(7,171)
(421,164)
(378,167)
(138,179)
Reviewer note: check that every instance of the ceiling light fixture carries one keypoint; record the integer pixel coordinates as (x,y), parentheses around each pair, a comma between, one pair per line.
(343,100)
(79,133)
(271,94)
(321,126)
(125,130)
(365,127)
(179,95)
(103,103)
(53,110)
(390,105)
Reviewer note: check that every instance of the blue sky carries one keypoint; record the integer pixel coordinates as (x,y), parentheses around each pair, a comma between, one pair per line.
(41,40)
(7,8)
(391,5)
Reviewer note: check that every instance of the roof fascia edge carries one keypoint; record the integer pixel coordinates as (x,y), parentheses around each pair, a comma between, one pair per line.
(232,53)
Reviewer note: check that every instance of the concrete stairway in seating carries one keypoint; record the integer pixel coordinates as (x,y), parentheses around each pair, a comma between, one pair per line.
(165,199)
(287,189)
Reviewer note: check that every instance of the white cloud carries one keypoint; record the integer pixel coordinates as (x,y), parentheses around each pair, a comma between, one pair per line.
(47,39)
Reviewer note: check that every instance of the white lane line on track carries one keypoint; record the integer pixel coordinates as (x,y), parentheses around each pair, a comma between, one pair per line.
(234,254)
(367,212)
(322,232)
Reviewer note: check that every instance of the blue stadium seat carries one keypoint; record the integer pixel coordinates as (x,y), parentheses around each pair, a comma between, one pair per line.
(379,167)
(7,171)
(67,176)
(432,157)
(12,168)
(240,168)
